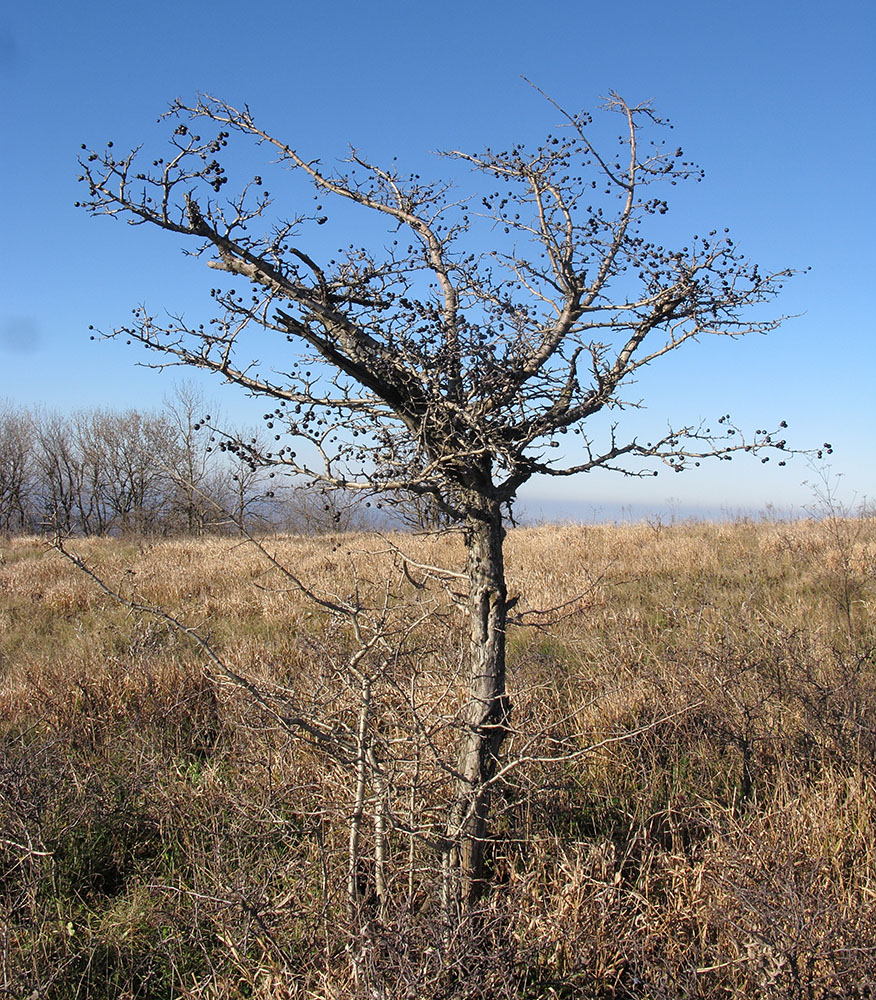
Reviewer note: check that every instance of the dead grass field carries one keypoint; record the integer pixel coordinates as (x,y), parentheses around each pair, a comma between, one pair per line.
(687,805)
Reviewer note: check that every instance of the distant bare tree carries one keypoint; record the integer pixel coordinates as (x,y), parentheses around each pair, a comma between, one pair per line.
(194,491)
(67,497)
(311,509)
(16,471)
(246,496)
(128,446)
(448,357)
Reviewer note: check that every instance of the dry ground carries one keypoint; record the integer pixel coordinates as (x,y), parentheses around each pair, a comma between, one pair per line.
(687,805)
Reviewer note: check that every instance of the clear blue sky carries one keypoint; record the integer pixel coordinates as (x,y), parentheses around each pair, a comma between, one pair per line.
(774,100)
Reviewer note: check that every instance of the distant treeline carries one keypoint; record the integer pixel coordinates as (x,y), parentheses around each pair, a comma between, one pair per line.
(117,472)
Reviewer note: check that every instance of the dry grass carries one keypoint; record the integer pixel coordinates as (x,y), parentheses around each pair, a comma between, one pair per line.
(688,810)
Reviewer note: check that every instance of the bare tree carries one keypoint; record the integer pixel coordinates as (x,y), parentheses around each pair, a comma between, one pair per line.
(100,471)
(447,358)
(314,509)
(67,490)
(246,496)
(193,498)
(128,447)
(16,472)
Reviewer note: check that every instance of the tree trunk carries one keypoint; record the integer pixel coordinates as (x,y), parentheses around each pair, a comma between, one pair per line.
(488,709)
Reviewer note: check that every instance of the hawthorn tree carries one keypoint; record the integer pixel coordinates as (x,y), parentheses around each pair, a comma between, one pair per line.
(444,360)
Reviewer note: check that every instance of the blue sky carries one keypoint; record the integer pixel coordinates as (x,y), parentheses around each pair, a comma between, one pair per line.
(774,100)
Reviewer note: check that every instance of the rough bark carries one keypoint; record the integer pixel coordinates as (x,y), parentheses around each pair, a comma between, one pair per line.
(488,709)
